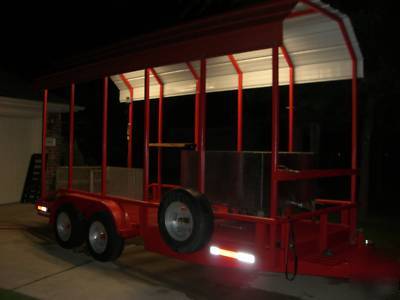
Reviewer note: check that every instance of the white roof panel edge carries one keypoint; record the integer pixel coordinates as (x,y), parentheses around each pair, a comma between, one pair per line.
(316,59)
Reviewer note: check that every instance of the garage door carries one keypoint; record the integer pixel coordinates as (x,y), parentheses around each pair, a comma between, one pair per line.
(20,138)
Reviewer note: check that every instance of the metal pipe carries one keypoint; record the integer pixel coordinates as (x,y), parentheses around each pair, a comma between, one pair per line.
(166,185)
(354,109)
(196,104)
(104,140)
(275,131)
(119,199)
(202,126)
(196,118)
(159,131)
(71,135)
(239,72)
(332,202)
(281,175)
(243,218)
(274,151)
(289,61)
(44,134)
(130,131)
(354,134)
(130,118)
(146,133)
(159,139)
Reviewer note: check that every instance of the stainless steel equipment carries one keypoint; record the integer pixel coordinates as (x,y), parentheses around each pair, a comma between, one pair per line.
(241,180)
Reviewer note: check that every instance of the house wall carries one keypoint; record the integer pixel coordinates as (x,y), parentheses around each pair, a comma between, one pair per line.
(20,138)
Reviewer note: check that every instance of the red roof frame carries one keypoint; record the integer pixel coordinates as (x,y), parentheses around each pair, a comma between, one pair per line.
(256,27)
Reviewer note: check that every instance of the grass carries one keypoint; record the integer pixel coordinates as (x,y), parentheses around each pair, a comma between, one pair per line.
(11,295)
(384,232)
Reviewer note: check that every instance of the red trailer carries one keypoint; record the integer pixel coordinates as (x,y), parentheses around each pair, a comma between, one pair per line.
(228,209)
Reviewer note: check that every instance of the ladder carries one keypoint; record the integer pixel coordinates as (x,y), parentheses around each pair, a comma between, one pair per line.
(32,186)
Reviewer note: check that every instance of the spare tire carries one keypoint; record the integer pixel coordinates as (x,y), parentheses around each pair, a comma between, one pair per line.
(185,220)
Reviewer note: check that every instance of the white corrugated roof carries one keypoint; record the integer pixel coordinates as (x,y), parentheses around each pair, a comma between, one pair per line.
(314,43)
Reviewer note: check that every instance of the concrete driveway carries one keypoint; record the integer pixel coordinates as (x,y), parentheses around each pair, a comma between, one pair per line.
(32,264)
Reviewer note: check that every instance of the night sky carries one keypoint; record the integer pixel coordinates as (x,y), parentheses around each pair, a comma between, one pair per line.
(39,40)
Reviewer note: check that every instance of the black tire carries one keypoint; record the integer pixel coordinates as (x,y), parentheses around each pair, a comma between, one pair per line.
(202,220)
(114,244)
(77,227)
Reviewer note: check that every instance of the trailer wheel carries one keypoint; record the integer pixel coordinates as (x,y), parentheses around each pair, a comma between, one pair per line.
(103,241)
(185,220)
(69,227)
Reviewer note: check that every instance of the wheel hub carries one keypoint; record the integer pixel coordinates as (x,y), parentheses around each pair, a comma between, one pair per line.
(64,227)
(98,237)
(179,221)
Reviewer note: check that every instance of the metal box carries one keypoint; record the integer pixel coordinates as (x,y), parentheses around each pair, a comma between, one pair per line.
(241,180)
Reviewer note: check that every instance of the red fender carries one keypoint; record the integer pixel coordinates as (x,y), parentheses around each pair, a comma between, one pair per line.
(90,206)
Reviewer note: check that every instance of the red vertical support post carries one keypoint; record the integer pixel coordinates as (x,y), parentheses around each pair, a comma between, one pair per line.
(44,134)
(196,114)
(130,119)
(239,145)
(196,104)
(202,126)
(291,109)
(275,131)
(354,107)
(146,134)
(291,97)
(104,139)
(274,150)
(159,131)
(71,135)
(159,140)
(130,125)
(239,142)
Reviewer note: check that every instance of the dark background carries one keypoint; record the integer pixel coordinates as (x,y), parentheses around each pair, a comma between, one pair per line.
(38,40)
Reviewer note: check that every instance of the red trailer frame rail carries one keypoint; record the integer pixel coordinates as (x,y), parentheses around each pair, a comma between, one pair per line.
(304,242)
